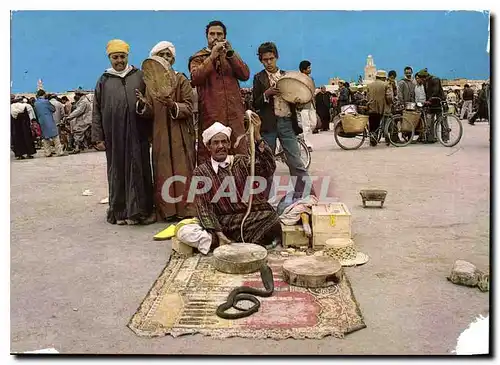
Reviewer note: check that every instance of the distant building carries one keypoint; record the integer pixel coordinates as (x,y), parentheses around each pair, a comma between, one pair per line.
(334,81)
(475,84)
(370,70)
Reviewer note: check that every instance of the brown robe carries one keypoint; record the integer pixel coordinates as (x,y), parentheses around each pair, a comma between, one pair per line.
(173,148)
(219,96)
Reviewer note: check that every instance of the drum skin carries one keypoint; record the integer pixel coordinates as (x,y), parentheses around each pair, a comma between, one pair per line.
(239,258)
(159,77)
(295,85)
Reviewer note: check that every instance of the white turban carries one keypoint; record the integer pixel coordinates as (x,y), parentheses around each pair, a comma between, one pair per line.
(163,45)
(214,129)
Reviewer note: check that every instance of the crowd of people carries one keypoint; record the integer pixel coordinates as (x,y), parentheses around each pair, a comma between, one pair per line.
(52,123)
(155,170)
(384,96)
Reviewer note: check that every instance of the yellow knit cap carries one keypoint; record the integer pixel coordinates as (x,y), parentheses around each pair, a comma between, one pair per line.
(117,46)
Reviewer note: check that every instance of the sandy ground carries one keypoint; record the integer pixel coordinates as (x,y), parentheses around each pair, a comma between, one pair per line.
(76,280)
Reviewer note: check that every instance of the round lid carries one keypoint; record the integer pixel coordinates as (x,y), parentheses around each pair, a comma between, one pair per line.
(312,265)
(240,252)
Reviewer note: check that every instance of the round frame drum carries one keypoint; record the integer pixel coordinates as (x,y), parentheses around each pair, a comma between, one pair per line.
(159,77)
(296,85)
(312,271)
(239,258)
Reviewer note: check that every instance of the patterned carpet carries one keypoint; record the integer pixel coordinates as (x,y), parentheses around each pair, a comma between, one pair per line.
(184,298)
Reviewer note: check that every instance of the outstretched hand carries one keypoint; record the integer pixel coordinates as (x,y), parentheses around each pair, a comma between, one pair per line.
(167,101)
(140,96)
(256,122)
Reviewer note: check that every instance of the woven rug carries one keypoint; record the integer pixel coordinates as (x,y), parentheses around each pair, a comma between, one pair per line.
(184,298)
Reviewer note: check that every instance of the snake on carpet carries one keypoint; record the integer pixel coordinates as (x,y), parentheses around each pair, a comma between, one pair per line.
(266,274)
(245,293)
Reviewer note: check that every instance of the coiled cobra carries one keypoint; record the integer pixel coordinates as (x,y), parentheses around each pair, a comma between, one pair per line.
(244,293)
(266,274)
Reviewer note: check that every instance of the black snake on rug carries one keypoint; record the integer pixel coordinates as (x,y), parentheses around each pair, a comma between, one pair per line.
(245,293)
(266,274)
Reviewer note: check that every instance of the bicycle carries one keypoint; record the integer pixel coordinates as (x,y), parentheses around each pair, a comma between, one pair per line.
(444,125)
(305,154)
(454,108)
(399,132)
(389,127)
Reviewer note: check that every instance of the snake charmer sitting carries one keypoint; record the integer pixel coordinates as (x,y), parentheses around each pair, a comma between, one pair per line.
(223,188)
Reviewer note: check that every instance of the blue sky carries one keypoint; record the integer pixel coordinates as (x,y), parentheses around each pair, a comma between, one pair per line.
(66,49)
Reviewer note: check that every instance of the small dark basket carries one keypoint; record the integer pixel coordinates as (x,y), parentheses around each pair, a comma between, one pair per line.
(373,195)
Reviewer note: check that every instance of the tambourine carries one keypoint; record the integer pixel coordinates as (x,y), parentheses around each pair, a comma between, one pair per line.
(159,77)
(296,86)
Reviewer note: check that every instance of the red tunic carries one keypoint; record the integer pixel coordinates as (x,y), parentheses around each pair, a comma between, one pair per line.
(218,88)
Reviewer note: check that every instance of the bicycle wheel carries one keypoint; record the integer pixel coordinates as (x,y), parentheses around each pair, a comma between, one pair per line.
(379,133)
(279,154)
(448,130)
(398,136)
(334,120)
(332,116)
(305,155)
(347,141)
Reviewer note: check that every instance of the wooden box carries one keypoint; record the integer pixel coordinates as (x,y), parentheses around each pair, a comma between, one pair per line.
(293,236)
(330,220)
(319,240)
